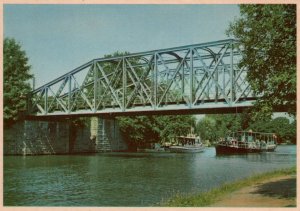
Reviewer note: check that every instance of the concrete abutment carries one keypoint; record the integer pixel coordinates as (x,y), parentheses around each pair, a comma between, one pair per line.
(36,137)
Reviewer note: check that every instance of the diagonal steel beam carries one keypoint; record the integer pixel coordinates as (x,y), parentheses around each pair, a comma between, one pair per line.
(115,97)
(82,94)
(60,89)
(58,100)
(138,84)
(211,74)
(172,80)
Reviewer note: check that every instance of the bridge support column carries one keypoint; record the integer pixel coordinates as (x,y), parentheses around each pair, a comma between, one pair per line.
(43,137)
(32,137)
(106,134)
(36,137)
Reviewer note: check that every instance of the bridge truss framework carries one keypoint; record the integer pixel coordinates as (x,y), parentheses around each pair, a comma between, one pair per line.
(195,77)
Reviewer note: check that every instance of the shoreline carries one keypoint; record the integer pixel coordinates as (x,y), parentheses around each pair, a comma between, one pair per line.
(262,190)
(268,193)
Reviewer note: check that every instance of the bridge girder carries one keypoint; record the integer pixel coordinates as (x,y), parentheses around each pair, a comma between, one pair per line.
(194,77)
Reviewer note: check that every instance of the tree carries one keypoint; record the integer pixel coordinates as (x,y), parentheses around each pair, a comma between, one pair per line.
(171,126)
(142,130)
(268,37)
(15,80)
(281,126)
(284,130)
(215,126)
(138,130)
(226,123)
(293,130)
(207,129)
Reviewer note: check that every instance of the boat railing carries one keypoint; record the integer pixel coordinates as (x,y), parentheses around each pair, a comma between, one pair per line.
(240,143)
(243,136)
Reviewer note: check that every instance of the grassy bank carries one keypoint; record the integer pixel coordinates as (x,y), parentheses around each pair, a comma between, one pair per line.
(207,198)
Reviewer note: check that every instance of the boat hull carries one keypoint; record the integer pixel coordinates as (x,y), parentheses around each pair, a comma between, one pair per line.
(221,149)
(186,149)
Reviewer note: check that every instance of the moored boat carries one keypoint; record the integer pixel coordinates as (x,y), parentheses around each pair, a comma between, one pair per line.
(188,144)
(247,142)
(155,147)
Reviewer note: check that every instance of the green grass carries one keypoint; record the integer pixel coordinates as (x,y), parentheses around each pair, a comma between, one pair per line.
(210,197)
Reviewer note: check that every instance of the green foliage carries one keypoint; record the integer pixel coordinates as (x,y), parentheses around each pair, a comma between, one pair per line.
(268,37)
(142,130)
(168,127)
(15,80)
(213,127)
(116,54)
(227,122)
(206,128)
(284,130)
(138,130)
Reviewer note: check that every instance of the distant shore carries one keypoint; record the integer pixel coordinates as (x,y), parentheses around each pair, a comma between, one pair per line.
(271,189)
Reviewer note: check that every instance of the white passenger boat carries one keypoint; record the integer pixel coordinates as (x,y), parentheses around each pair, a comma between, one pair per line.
(188,144)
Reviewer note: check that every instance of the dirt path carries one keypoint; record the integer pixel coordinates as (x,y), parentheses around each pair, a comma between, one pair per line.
(277,192)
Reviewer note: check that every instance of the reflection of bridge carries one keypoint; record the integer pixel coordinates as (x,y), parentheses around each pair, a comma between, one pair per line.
(200,78)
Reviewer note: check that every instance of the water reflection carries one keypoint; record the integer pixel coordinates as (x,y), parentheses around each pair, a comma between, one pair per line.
(127,179)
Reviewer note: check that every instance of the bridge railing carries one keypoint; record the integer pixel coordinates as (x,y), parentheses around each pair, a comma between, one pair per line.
(187,77)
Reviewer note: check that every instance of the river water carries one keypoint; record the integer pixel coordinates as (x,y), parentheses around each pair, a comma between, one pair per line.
(127,179)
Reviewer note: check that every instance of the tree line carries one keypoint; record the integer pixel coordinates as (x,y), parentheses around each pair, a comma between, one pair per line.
(216,126)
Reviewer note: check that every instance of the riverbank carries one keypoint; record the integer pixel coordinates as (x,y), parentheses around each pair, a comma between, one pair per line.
(272,189)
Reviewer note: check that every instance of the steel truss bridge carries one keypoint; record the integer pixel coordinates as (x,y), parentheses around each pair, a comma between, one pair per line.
(200,78)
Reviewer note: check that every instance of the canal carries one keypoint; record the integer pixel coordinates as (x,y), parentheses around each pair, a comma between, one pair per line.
(127,179)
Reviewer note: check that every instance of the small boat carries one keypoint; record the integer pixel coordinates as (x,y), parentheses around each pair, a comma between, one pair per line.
(247,142)
(188,144)
(153,148)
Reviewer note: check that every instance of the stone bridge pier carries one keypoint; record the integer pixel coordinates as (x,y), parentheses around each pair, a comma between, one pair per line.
(105,132)
(36,137)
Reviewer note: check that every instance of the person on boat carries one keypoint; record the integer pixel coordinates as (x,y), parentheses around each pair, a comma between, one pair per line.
(275,138)
(257,143)
(197,140)
(263,143)
(243,138)
(250,137)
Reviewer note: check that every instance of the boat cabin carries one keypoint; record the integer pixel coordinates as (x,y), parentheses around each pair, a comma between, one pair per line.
(252,138)
(185,140)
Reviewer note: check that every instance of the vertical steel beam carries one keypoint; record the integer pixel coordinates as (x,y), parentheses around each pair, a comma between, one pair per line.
(70,94)
(124,79)
(216,84)
(95,86)
(232,75)
(154,83)
(191,77)
(182,80)
(224,79)
(46,100)
(207,88)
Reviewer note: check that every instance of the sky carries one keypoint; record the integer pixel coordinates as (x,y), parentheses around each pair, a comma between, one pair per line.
(60,38)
